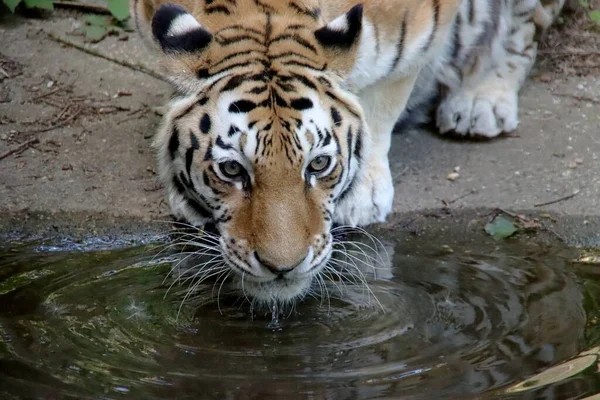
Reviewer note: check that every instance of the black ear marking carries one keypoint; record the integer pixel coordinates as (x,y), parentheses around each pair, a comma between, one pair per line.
(177,31)
(343,31)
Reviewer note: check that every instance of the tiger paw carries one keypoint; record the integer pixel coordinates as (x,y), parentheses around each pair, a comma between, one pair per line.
(486,112)
(370,200)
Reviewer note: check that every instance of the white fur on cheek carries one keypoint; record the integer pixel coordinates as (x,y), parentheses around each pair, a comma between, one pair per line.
(183,24)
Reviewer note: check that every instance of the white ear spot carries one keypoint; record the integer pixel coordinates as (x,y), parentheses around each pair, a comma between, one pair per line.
(340,24)
(182,24)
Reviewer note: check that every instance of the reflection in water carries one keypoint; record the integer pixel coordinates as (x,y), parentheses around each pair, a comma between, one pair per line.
(434,322)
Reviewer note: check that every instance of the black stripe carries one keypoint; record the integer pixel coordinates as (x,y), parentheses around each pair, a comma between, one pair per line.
(241,64)
(186,182)
(349,144)
(258,90)
(296,38)
(456,43)
(236,39)
(205,124)
(324,81)
(286,87)
(205,178)
(343,103)
(346,191)
(336,117)
(268,28)
(319,134)
(217,9)
(285,54)
(279,101)
(304,80)
(471,12)
(230,56)
(204,213)
(314,13)
(235,82)
(202,73)
(265,7)
(178,185)
(242,106)
(219,142)
(436,18)
(400,44)
(189,157)
(208,155)
(239,28)
(301,104)
(305,65)
(194,141)
(233,130)
(327,139)
(358,146)
(173,142)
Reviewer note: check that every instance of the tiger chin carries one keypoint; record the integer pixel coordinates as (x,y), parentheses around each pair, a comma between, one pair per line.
(281,121)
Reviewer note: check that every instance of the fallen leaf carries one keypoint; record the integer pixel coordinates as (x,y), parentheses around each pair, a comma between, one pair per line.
(94,33)
(500,228)
(119,9)
(96,20)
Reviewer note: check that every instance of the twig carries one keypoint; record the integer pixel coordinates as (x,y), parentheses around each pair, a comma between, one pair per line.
(19,148)
(577,97)
(449,202)
(557,200)
(41,96)
(95,53)
(76,5)
(50,128)
(3,72)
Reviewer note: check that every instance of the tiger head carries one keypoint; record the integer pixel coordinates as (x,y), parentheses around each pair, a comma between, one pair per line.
(261,138)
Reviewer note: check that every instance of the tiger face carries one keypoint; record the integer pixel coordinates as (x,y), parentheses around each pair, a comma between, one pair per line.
(261,139)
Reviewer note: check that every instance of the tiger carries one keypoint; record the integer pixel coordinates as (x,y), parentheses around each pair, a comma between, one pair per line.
(282,115)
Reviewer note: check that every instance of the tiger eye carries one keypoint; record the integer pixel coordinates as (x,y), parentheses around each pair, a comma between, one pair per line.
(319,164)
(231,168)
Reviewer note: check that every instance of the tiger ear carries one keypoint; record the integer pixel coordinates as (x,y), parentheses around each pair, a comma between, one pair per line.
(339,38)
(176,30)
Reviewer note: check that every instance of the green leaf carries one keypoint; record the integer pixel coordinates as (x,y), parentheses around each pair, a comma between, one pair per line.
(595,16)
(126,26)
(96,20)
(94,33)
(500,228)
(46,4)
(119,9)
(11,4)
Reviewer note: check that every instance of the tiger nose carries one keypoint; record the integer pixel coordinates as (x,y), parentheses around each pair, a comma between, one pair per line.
(276,267)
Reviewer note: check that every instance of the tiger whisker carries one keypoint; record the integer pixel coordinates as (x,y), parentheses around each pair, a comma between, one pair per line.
(363,279)
(219,291)
(191,290)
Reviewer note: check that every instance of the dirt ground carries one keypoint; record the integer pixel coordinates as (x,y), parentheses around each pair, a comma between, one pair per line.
(77,120)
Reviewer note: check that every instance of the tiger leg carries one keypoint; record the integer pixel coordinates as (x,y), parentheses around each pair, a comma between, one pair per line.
(371,197)
(486,103)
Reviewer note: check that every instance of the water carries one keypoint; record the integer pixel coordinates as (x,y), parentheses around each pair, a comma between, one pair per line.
(476,319)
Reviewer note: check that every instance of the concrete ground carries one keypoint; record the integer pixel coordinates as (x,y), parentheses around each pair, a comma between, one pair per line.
(80,127)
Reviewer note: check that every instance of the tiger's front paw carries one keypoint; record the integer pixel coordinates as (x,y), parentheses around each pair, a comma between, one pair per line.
(370,199)
(485,112)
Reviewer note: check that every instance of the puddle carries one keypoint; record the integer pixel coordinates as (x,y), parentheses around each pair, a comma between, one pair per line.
(471,319)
